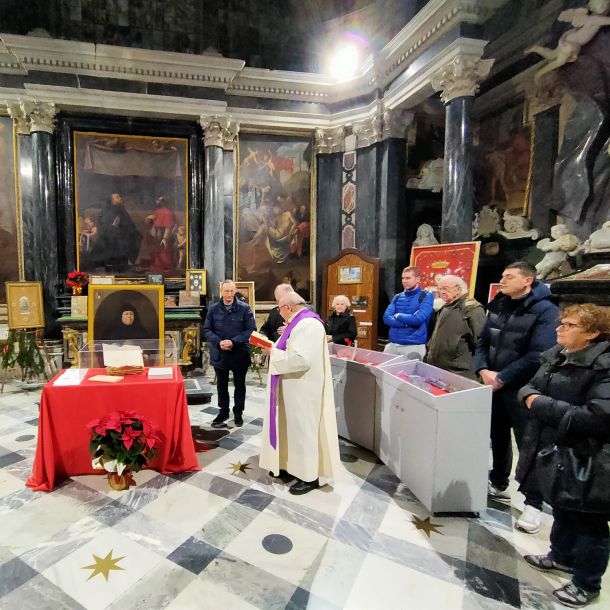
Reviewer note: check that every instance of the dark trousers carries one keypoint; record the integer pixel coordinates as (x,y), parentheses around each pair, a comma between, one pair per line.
(581,540)
(507,413)
(239,395)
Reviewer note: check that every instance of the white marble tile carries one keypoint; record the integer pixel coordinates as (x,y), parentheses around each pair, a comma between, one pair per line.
(95,592)
(186,508)
(384,584)
(206,595)
(99,482)
(451,539)
(9,483)
(291,566)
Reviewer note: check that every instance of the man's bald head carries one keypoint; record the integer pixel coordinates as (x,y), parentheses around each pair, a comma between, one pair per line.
(451,287)
(289,304)
(282,289)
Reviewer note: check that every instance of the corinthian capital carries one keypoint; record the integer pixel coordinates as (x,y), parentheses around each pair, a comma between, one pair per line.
(461,77)
(33,116)
(396,122)
(368,131)
(330,140)
(219,131)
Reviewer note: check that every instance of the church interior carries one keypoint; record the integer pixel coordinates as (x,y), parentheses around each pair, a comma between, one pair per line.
(150,149)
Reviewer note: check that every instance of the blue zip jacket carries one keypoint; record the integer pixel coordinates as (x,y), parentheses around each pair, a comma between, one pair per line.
(407,317)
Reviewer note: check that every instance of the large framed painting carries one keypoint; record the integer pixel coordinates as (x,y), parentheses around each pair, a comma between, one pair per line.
(131,204)
(275,212)
(459,259)
(10,234)
(503,161)
(126,312)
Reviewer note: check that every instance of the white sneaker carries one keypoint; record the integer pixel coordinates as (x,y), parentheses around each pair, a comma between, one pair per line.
(529,521)
(496,492)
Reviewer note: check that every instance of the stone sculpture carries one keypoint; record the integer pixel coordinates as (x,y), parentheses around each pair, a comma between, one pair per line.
(561,245)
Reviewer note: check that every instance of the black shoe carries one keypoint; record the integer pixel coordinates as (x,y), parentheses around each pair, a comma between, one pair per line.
(302,487)
(238,419)
(546,564)
(220,421)
(284,476)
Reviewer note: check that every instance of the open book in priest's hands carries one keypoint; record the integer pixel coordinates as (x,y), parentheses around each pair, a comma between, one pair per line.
(259,340)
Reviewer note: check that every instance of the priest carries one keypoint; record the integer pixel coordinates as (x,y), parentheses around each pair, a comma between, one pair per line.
(300,430)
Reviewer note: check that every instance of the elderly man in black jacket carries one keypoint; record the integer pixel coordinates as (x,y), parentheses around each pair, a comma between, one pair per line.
(520,326)
(227,327)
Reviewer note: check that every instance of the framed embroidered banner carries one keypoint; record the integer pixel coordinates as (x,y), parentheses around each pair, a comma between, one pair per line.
(459,259)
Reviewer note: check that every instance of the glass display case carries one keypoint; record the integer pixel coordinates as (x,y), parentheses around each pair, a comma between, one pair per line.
(133,353)
(432,431)
(354,388)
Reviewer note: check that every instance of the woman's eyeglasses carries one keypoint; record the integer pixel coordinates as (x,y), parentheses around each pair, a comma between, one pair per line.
(567,325)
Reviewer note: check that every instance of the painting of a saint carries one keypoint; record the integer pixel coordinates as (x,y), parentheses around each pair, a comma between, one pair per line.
(274,213)
(503,161)
(131,204)
(9,243)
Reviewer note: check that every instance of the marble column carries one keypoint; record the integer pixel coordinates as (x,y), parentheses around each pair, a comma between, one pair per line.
(458,82)
(39,210)
(219,133)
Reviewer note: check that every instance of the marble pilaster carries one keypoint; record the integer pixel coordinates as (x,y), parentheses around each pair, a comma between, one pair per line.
(458,82)
(367,194)
(228,204)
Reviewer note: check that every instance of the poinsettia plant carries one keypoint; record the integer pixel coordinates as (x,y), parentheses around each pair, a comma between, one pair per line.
(77,279)
(122,440)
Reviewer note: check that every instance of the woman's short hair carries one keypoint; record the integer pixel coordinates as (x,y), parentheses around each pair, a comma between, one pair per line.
(341,298)
(593,318)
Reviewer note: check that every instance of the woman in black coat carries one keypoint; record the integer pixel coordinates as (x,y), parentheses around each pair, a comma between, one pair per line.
(341,324)
(569,403)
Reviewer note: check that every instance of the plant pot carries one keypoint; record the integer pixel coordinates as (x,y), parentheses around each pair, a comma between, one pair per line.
(120,482)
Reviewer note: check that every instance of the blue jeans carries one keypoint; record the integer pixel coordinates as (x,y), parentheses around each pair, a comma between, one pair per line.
(582,541)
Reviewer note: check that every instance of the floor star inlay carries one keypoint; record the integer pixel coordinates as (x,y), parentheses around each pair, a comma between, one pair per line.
(103,566)
(239,467)
(426,525)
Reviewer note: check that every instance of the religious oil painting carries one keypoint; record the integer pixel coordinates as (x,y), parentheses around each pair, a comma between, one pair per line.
(9,236)
(274,213)
(126,312)
(502,162)
(25,306)
(131,204)
(459,259)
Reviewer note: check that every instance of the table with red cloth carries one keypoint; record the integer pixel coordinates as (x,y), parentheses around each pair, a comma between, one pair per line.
(65,411)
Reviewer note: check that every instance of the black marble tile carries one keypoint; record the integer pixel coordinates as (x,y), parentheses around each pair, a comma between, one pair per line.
(194,555)
(25,437)
(10,458)
(258,500)
(229,443)
(112,513)
(256,422)
(277,544)
(299,600)
(493,585)
(210,410)
(383,479)
(13,574)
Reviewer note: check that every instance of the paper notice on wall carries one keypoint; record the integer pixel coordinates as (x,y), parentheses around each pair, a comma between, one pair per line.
(122,355)
(365,324)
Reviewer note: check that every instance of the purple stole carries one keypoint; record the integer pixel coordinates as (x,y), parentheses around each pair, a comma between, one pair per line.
(275,379)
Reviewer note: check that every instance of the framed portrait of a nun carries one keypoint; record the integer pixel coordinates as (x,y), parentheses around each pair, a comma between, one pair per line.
(126,312)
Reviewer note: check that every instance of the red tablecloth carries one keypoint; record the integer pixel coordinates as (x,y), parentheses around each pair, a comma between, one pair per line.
(65,411)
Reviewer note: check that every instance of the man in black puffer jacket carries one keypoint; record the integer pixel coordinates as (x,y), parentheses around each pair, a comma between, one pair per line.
(520,326)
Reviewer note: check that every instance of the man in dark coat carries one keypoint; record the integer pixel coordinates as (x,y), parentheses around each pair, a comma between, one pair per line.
(119,239)
(458,326)
(227,327)
(521,324)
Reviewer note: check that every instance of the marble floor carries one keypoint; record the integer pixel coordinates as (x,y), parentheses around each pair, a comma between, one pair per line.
(231,537)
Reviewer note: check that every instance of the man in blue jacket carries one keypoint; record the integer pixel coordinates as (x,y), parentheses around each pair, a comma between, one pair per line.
(407,316)
(227,327)
(521,324)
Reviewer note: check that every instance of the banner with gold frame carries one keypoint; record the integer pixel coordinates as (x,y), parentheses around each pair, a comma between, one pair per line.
(25,305)
(459,259)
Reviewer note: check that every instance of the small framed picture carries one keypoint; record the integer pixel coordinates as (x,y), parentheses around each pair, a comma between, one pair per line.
(154,278)
(188,298)
(78,306)
(24,300)
(170,300)
(350,275)
(101,280)
(196,280)
(360,301)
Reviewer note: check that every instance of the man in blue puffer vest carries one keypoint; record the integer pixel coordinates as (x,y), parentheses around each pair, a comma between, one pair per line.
(407,316)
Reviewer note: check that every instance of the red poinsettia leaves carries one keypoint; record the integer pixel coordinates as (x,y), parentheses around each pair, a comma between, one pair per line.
(129,435)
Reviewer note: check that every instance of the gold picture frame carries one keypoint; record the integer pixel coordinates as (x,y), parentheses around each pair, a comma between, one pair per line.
(196,279)
(106,304)
(25,305)
(246,292)
(101,280)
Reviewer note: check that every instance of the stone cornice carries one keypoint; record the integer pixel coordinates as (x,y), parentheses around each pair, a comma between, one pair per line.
(70,57)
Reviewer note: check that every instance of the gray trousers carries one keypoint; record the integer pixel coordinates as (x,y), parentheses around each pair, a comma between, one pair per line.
(410,352)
